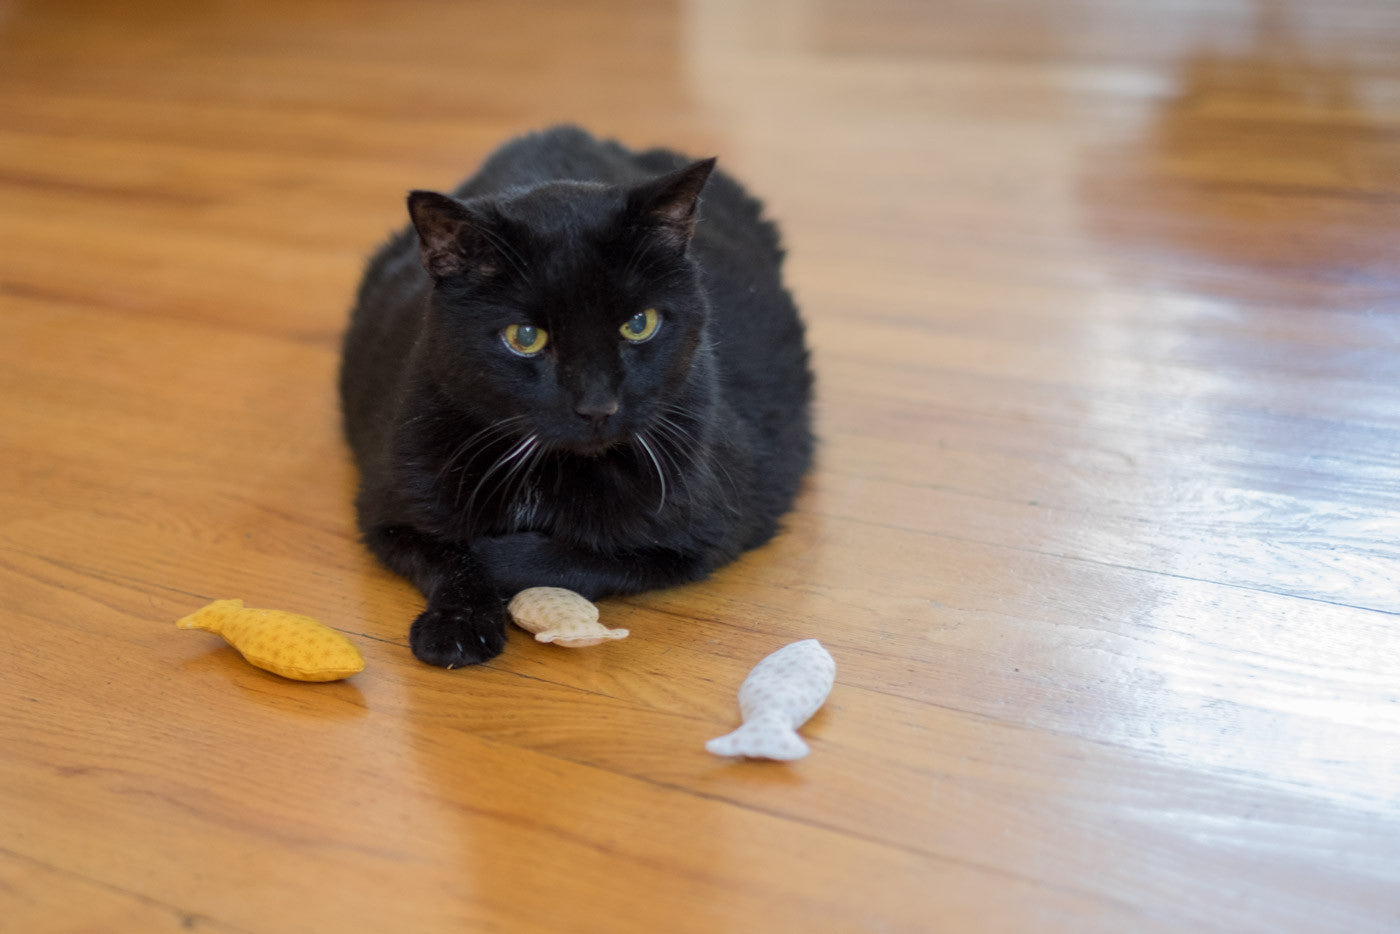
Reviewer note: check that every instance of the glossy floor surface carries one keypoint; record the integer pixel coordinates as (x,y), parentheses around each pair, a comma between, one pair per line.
(1105,305)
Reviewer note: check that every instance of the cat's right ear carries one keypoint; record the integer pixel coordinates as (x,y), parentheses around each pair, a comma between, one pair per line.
(450,237)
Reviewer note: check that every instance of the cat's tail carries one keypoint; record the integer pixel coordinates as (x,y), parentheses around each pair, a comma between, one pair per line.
(764,737)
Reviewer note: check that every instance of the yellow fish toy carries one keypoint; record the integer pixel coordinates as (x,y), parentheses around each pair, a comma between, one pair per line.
(287,644)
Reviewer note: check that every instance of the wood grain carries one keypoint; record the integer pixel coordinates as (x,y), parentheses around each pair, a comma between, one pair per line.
(1103,533)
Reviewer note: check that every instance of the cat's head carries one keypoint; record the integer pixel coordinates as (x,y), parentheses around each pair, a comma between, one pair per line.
(571,308)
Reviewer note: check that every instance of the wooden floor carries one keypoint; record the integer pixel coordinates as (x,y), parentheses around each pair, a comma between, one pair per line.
(1105,305)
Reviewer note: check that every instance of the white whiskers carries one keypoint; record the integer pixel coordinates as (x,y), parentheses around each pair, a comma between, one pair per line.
(660,474)
(686,447)
(476,443)
(514,458)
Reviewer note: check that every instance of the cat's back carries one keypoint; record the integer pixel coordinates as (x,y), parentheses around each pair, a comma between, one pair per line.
(570,153)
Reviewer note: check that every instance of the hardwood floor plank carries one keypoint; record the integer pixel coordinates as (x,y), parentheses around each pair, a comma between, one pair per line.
(1102,533)
(36,897)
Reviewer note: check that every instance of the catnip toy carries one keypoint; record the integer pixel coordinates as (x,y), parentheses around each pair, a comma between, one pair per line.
(560,616)
(287,644)
(779,695)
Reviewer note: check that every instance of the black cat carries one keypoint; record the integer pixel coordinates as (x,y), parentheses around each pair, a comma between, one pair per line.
(593,385)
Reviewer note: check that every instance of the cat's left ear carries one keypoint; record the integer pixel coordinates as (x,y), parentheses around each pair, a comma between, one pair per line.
(667,204)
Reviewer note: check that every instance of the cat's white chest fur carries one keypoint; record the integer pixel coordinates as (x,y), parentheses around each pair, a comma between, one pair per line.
(525,508)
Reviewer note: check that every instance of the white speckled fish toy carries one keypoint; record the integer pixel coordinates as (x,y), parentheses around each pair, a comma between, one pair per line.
(777,697)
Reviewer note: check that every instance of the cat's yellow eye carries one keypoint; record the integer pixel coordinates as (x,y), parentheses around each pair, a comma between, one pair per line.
(641,326)
(525,339)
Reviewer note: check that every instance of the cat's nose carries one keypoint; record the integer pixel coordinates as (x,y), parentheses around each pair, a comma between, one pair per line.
(596,410)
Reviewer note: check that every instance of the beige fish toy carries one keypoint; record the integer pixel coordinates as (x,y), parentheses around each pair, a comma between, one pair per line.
(779,695)
(560,616)
(287,644)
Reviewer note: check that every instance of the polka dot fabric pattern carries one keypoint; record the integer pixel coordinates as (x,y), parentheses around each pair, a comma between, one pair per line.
(560,616)
(287,644)
(779,695)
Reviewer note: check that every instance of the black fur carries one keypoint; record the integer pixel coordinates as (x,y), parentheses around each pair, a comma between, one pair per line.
(651,463)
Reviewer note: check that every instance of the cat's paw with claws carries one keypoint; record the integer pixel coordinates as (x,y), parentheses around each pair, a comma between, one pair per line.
(455,633)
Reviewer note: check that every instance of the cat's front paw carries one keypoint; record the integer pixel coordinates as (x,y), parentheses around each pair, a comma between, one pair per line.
(455,633)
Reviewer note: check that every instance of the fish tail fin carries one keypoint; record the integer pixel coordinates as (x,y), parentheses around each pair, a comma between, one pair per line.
(202,617)
(762,738)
